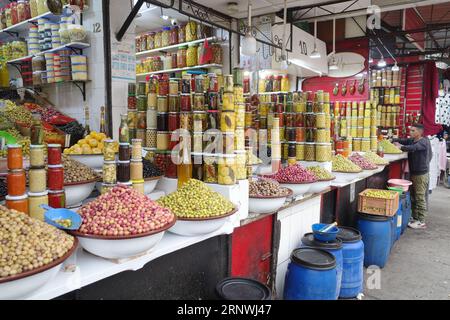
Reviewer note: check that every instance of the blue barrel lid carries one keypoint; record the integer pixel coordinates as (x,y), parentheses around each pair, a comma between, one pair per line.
(309,241)
(373,217)
(312,258)
(348,235)
(242,289)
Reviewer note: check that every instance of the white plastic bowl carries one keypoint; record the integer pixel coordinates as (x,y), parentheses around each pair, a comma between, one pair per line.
(392,156)
(77,192)
(268,204)
(320,186)
(94,161)
(342,177)
(150,184)
(23,285)
(298,189)
(196,227)
(110,247)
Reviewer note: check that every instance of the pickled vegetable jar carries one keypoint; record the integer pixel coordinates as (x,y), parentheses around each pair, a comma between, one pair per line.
(320,120)
(228,121)
(181,57)
(323,152)
(37,180)
(241,165)
(210,168)
(35,200)
(227,169)
(300,151)
(136,170)
(310,151)
(191,56)
(191,31)
(19,203)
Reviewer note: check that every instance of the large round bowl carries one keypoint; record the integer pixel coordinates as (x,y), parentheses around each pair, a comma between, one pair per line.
(94,161)
(190,227)
(342,177)
(77,192)
(120,247)
(392,156)
(299,188)
(150,184)
(23,285)
(267,204)
(321,185)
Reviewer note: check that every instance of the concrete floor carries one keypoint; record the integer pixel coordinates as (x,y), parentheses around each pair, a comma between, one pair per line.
(419,265)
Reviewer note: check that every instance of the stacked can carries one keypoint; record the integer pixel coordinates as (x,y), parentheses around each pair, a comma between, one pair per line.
(17,198)
(38,194)
(109,166)
(136,166)
(55,177)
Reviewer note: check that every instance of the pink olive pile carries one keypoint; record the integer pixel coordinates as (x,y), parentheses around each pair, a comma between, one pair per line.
(362,162)
(123,212)
(293,174)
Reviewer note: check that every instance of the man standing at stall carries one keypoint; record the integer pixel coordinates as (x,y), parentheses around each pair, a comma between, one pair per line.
(419,157)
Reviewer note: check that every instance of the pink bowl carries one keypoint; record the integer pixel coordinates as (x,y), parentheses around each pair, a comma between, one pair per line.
(400,183)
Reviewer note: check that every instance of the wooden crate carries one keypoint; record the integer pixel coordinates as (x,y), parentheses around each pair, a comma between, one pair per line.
(376,206)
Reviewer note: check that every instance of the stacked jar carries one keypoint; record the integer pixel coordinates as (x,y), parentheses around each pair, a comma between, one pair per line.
(141,115)
(136,166)
(239,133)
(109,166)
(17,198)
(290,131)
(322,133)
(55,177)
(123,165)
(38,194)
(151,130)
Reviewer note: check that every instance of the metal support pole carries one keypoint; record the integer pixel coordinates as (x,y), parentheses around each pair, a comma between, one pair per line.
(129,20)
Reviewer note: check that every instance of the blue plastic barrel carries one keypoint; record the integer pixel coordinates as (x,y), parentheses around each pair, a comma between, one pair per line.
(406,210)
(376,235)
(333,247)
(353,267)
(311,275)
(398,222)
(393,221)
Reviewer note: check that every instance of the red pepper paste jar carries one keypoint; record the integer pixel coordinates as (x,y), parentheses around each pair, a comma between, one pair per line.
(55,177)
(57,199)
(54,154)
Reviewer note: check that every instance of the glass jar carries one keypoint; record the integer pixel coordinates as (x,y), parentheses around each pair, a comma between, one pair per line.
(34,8)
(123,171)
(138,185)
(285,85)
(141,103)
(16,182)
(199,102)
(191,56)
(150,138)
(365,145)
(109,150)
(217,54)
(124,132)
(174,36)
(191,31)
(150,41)
(309,120)
(320,120)
(181,57)
(55,177)
(37,158)
(182,34)
(228,121)
(14,16)
(109,172)
(174,121)
(167,61)
(186,120)
(15,157)
(21,11)
(323,152)
(162,140)
(37,180)
(35,200)
(57,199)
(136,149)
(322,136)
(241,165)
(163,86)
(165,37)
(210,168)
(227,169)
(300,151)
(107,188)
(162,104)
(212,121)
(162,121)
(184,173)
(310,151)
(142,120)
(239,139)
(124,152)
(158,39)
(19,203)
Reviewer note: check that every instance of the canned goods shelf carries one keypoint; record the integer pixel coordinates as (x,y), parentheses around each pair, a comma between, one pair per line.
(174,47)
(205,66)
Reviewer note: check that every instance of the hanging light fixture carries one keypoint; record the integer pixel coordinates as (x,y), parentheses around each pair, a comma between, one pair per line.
(163,16)
(333,65)
(382,63)
(315,54)
(284,60)
(249,41)
(395,68)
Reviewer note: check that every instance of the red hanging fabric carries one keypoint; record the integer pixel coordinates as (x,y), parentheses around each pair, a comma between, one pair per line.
(430,94)
(206,54)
